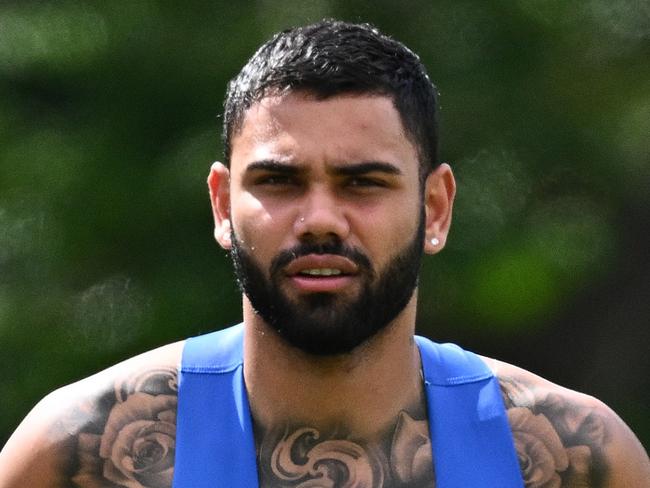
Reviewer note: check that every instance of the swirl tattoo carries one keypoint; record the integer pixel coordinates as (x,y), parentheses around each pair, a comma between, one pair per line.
(305,457)
(299,456)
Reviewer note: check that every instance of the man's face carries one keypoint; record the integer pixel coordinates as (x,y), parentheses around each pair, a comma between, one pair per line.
(327,218)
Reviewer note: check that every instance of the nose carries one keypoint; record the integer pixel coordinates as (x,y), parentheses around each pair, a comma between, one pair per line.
(321,216)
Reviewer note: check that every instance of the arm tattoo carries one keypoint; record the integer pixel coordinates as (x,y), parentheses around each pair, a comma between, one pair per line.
(129,440)
(559,443)
(305,457)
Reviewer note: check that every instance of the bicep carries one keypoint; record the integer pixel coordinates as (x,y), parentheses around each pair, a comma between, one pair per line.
(629,466)
(567,438)
(36,453)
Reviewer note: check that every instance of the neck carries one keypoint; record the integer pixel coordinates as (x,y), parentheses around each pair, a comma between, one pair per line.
(362,393)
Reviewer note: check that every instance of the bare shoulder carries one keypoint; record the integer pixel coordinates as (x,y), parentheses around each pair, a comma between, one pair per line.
(567,439)
(115,428)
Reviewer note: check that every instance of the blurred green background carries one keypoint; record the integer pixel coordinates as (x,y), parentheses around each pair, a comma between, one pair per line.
(110,118)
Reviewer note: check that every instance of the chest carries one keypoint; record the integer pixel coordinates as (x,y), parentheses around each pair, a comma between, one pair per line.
(467,426)
(310,457)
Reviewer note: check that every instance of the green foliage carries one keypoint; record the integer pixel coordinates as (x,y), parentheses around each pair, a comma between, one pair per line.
(109,121)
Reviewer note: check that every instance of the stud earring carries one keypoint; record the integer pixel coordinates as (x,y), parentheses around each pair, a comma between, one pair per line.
(435,241)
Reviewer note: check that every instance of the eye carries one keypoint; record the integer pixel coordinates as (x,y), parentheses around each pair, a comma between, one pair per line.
(365,182)
(276,180)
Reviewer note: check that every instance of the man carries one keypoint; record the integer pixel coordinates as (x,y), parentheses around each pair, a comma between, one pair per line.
(329,194)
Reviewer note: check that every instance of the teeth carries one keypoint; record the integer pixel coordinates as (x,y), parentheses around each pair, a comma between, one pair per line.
(321,272)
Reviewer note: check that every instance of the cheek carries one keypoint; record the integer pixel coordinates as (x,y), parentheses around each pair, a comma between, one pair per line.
(385,232)
(259,229)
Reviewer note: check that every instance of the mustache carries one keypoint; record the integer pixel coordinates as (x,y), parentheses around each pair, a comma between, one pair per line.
(335,248)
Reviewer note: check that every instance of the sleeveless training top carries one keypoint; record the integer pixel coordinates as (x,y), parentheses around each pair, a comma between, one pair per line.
(470,436)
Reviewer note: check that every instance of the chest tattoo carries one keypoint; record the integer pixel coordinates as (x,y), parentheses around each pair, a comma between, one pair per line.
(304,457)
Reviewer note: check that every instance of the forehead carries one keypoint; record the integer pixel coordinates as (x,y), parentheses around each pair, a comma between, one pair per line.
(301,128)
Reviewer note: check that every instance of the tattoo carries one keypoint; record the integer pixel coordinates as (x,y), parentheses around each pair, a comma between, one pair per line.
(305,457)
(559,443)
(130,439)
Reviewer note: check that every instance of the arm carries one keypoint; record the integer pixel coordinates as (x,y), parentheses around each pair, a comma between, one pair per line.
(35,454)
(113,429)
(565,439)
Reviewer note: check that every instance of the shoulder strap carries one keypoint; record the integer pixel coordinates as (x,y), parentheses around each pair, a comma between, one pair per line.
(214,434)
(470,435)
(471,439)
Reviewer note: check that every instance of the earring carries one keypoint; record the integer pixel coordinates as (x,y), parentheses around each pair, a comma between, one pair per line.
(435,241)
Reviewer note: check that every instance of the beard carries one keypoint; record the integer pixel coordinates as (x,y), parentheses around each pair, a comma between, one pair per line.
(326,324)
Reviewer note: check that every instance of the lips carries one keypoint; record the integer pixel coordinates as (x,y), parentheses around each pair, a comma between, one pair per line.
(324,273)
(321,265)
(321,272)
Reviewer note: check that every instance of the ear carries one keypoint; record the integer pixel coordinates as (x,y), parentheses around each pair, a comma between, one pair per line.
(439,192)
(219,186)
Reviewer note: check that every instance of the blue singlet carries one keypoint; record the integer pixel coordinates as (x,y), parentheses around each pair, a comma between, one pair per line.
(470,436)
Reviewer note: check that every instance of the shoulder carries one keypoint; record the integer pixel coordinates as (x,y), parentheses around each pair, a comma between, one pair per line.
(101,431)
(564,438)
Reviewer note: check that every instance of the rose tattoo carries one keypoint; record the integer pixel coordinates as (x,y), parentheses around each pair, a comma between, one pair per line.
(559,444)
(137,445)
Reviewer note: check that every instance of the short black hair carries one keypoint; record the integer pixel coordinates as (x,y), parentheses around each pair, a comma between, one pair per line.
(331,58)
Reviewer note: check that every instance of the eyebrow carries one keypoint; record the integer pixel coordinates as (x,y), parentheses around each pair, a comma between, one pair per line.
(367,167)
(274,166)
(354,169)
